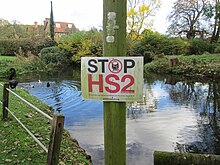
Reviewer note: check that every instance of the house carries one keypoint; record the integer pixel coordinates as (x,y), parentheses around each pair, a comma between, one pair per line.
(61,28)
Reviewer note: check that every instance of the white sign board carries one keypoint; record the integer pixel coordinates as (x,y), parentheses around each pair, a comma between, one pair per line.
(112,78)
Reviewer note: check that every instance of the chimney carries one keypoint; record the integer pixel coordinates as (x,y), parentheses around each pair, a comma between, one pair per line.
(35,25)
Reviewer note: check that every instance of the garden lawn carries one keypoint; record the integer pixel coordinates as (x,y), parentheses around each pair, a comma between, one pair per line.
(17,147)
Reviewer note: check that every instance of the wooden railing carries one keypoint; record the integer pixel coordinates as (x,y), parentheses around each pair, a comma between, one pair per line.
(57,121)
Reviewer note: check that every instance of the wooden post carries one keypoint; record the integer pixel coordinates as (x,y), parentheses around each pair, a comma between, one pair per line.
(55,140)
(171,158)
(114,44)
(5,102)
(172,61)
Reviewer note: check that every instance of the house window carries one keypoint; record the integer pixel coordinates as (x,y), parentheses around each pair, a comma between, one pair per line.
(70,26)
(57,25)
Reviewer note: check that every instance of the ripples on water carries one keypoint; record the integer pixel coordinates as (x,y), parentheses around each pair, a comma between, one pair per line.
(170,118)
(65,97)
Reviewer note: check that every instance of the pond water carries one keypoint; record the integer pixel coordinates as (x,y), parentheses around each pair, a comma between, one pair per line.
(177,114)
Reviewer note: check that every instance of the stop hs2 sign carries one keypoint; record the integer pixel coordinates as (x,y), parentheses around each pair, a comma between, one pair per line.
(112,78)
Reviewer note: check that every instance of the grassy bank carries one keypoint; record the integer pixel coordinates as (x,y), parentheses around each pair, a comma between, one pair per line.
(20,63)
(17,147)
(23,65)
(206,65)
(5,63)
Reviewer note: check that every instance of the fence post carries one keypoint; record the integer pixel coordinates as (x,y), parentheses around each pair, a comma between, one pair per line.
(5,102)
(55,139)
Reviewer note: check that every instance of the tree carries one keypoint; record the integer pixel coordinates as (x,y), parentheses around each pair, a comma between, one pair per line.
(139,14)
(212,12)
(3,22)
(12,30)
(5,29)
(187,17)
(216,27)
(20,31)
(51,22)
(82,43)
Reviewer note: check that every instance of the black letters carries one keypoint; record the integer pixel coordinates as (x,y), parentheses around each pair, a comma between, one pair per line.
(126,66)
(94,67)
(103,64)
(91,64)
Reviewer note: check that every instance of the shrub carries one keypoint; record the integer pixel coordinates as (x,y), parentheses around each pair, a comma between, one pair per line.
(83,43)
(217,49)
(40,43)
(34,44)
(55,55)
(8,46)
(157,66)
(199,46)
(154,43)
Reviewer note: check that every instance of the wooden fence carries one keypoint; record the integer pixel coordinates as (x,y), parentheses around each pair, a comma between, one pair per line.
(57,121)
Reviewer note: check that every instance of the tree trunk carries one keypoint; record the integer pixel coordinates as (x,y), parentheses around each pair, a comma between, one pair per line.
(216,28)
(218,31)
(214,32)
(191,32)
(171,158)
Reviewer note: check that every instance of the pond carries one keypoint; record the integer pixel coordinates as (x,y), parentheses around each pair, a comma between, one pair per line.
(177,114)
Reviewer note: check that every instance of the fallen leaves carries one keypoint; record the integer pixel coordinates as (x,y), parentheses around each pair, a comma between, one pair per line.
(17,143)
(29,115)
(8,160)
(6,124)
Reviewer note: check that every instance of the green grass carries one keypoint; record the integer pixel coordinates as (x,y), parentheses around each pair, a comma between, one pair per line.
(7,58)
(206,65)
(21,64)
(26,64)
(5,63)
(17,147)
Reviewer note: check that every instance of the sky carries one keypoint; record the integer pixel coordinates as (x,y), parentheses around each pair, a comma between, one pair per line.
(85,14)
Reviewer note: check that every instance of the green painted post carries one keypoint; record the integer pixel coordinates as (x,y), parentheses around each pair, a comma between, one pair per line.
(114,43)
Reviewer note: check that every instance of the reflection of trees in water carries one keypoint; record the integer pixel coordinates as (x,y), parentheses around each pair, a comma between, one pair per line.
(149,103)
(185,93)
(212,115)
(205,99)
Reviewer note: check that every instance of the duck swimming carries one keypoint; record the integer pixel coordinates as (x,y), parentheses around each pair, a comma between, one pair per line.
(48,84)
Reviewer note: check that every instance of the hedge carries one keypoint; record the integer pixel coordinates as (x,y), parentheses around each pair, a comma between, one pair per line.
(9,47)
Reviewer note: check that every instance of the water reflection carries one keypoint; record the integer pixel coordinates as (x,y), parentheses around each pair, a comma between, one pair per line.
(176,114)
(204,99)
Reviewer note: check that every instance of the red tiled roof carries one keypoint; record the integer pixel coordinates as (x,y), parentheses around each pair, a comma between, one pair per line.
(60,27)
